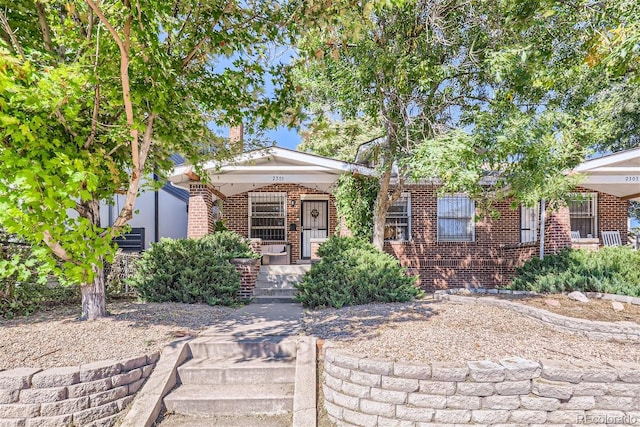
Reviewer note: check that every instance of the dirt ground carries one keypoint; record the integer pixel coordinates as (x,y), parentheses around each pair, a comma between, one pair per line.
(595,309)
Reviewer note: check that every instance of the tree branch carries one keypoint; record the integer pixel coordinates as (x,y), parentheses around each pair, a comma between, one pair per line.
(55,247)
(14,41)
(44,26)
(124,77)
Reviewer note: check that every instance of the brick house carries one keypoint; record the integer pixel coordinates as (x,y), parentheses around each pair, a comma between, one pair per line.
(284,198)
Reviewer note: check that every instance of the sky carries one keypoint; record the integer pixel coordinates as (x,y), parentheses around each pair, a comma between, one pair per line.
(286,138)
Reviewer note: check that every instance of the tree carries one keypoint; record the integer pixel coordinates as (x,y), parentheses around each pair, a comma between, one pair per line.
(94,96)
(338,140)
(468,93)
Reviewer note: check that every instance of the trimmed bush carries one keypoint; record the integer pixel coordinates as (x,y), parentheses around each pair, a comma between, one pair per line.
(353,272)
(192,270)
(613,270)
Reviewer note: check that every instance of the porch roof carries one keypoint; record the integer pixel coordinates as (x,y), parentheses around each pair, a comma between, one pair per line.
(273,165)
(617,174)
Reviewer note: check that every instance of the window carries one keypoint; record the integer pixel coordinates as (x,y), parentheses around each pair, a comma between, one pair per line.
(398,222)
(529,217)
(267,216)
(455,219)
(583,214)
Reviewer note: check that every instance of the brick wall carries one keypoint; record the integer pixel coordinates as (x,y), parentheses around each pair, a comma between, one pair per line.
(491,259)
(200,220)
(235,211)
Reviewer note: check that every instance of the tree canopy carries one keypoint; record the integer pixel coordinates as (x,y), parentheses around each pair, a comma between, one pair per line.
(94,96)
(480,92)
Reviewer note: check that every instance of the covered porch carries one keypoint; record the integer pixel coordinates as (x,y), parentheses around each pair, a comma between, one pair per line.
(616,174)
(280,198)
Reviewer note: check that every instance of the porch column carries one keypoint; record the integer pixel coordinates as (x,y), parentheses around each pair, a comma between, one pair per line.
(557,230)
(200,219)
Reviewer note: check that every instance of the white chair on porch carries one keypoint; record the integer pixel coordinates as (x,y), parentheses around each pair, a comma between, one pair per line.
(575,235)
(611,238)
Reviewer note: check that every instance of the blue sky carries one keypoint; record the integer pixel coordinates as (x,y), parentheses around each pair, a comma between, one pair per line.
(286,138)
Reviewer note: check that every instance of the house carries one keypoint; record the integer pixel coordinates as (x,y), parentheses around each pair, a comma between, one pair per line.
(157,214)
(284,198)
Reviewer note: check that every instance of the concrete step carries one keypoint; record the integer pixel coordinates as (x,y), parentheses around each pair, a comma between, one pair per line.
(278,281)
(246,348)
(282,284)
(274,292)
(269,299)
(175,420)
(285,269)
(230,399)
(238,371)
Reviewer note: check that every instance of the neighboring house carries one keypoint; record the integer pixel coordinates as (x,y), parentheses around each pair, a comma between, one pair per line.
(284,197)
(157,214)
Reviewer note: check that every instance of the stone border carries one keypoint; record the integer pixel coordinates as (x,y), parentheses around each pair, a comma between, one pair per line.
(147,405)
(370,392)
(87,395)
(304,395)
(592,329)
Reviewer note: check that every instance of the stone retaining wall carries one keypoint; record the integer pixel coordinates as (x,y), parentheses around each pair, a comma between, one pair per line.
(589,328)
(366,392)
(86,395)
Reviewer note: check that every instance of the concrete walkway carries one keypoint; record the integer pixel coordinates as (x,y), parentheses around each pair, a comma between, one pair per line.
(255,328)
(271,319)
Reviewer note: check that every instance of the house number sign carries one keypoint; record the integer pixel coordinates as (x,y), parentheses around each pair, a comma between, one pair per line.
(632,178)
(278,178)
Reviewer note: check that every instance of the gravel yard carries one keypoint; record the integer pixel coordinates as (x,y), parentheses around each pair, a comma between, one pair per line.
(55,337)
(418,331)
(426,331)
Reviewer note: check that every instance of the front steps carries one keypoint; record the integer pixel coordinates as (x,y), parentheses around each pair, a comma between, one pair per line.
(275,283)
(245,382)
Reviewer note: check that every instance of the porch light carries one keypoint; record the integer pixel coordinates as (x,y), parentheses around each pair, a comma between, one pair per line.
(293,203)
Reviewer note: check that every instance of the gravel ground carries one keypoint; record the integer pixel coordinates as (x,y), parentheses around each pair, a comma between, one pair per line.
(419,331)
(56,338)
(426,331)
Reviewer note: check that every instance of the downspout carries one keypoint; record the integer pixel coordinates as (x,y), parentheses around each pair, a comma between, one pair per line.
(543,217)
(156,204)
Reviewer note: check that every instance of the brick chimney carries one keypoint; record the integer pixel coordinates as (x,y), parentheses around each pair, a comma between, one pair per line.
(236,139)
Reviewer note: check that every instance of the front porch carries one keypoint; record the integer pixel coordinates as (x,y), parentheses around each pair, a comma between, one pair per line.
(279,196)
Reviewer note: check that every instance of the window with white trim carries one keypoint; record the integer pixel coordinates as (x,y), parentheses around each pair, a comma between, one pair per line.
(268,216)
(456,219)
(529,223)
(397,224)
(583,213)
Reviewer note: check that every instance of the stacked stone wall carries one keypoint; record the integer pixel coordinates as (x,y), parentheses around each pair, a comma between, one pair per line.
(366,392)
(88,395)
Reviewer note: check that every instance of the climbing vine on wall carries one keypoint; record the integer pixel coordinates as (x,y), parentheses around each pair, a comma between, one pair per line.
(355,196)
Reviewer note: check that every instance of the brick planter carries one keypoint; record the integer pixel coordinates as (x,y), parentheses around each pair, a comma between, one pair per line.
(248,269)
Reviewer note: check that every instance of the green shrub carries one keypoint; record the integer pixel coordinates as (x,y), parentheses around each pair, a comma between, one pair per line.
(353,272)
(613,270)
(192,270)
(22,289)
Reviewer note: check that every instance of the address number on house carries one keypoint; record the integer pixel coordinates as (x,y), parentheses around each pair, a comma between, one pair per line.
(278,178)
(633,178)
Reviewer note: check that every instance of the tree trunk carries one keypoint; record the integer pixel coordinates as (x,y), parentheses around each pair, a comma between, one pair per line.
(93,297)
(380,208)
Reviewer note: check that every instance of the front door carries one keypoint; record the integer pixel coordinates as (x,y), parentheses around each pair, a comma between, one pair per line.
(315,223)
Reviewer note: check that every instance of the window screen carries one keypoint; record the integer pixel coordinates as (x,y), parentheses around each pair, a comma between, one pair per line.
(455,219)
(398,221)
(267,216)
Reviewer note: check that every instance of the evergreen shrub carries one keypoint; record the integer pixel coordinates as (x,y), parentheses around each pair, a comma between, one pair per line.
(192,270)
(352,272)
(613,270)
